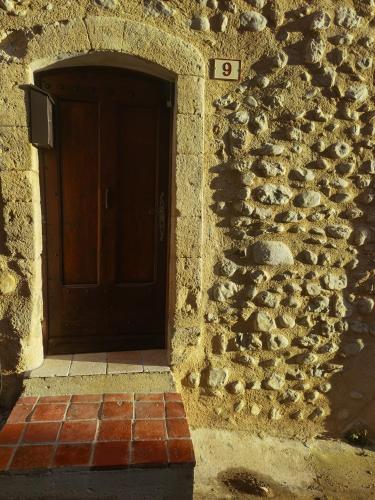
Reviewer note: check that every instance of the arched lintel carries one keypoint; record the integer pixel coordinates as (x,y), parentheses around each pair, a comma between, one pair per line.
(145,42)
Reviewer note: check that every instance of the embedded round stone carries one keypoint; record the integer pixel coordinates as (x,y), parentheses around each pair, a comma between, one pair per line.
(320,20)
(275,382)
(279,60)
(255,409)
(315,49)
(307,199)
(271,194)
(347,18)
(265,168)
(267,299)
(193,379)
(357,93)
(253,21)
(262,322)
(200,23)
(334,281)
(227,268)
(271,149)
(239,118)
(272,253)
(223,291)
(353,348)
(301,174)
(339,150)
(338,231)
(236,387)
(217,377)
(285,321)
(8,283)
(275,342)
(308,257)
(365,305)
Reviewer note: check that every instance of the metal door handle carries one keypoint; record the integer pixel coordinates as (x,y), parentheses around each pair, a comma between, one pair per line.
(107,198)
(161,217)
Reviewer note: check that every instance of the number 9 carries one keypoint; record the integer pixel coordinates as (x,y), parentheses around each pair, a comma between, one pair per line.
(227,68)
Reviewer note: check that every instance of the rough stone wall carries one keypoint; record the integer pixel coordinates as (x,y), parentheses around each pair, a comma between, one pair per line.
(287,336)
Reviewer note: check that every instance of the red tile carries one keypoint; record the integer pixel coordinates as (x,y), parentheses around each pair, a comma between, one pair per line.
(172,396)
(115,430)
(177,428)
(11,433)
(119,397)
(5,455)
(180,451)
(111,454)
(45,432)
(174,410)
(151,453)
(54,399)
(78,431)
(83,411)
(27,400)
(87,398)
(48,412)
(149,430)
(20,413)
(32,457)
(149,397)
(117,409)
(149,410)
(70,455)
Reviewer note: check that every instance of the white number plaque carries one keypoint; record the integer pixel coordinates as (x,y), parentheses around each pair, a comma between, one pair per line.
(227,69)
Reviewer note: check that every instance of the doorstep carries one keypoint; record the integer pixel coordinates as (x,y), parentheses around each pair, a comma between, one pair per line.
(128,371)
(95,432)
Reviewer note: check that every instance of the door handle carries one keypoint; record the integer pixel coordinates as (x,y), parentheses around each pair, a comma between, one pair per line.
(161,217)
(107,198)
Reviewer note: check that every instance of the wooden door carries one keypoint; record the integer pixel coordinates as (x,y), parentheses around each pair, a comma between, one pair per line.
(106,186)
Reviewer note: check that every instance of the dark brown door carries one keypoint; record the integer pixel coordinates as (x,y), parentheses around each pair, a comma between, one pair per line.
(106,202)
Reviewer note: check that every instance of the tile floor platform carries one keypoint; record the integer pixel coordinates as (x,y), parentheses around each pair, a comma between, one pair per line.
(95,432)
(103,363)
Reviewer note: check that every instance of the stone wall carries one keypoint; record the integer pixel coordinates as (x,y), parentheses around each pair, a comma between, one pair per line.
(281,336)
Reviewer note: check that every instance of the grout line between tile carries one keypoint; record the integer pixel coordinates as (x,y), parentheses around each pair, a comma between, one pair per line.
(70,366)
(59,431)
(16,445)
(93,442)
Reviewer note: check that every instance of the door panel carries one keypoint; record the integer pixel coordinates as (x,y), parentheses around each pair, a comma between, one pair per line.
(136,231)
(79,186)
(103,182)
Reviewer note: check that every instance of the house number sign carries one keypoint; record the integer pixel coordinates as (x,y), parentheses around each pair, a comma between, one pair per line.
(227,69)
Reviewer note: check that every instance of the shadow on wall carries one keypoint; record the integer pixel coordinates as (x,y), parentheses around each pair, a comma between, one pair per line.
(10,390)
(352,397)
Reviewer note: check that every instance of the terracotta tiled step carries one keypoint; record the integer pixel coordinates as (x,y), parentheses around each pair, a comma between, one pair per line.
(97,431)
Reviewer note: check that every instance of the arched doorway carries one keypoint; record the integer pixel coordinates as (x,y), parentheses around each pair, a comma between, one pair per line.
(106,199)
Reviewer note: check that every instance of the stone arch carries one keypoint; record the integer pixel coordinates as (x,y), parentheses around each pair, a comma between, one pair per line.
(105,41)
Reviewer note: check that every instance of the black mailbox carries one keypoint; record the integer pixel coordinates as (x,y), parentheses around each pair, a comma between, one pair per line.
(41,111)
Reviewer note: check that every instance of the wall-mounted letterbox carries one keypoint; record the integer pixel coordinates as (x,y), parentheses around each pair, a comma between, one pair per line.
(41,111)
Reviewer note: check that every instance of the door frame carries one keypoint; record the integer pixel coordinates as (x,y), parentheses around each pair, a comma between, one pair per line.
(98,40)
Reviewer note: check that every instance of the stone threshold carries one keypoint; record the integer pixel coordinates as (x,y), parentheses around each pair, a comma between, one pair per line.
(96,432)
(102,363)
